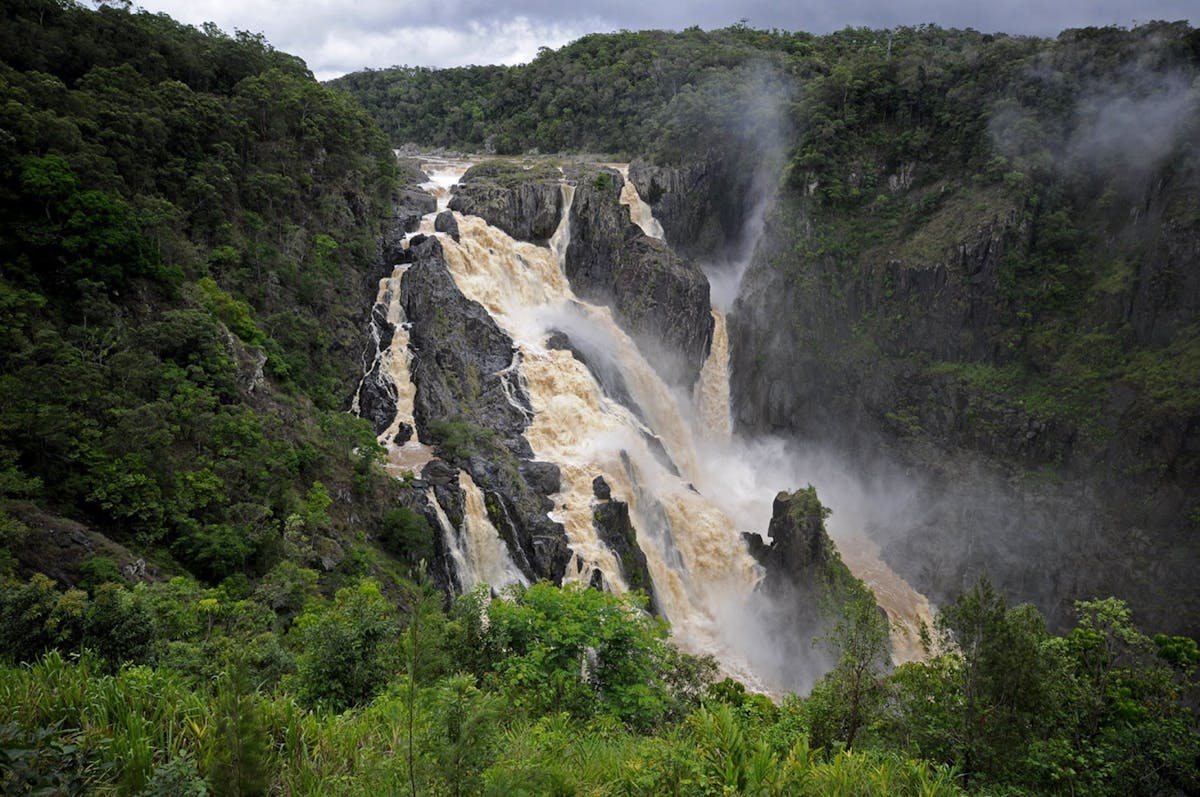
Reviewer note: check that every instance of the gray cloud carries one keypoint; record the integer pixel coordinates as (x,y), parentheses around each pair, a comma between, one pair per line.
(335,36)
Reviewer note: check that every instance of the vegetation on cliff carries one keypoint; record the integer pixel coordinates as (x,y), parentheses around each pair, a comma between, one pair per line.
(190,233)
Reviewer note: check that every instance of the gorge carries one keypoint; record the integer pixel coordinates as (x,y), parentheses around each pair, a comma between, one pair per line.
(702,412)
(597,410)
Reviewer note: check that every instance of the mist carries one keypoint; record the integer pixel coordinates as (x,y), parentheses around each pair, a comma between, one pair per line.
(1122,127)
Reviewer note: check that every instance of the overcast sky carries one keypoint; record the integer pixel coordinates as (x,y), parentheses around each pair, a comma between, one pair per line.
(339,36)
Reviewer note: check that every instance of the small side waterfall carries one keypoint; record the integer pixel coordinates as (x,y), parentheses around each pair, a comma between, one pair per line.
(639,212)
(486,556)
(711,394)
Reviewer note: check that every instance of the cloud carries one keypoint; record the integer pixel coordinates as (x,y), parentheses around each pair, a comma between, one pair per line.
(509,42)
(335,37)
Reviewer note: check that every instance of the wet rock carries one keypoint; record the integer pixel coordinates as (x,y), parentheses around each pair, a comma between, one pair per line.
(611,521)
(525,203)
(471,405)
(404,433)
(445,222)
(658,298)
(410,205)
(600,489)
(799,547)
(377,394)
(543,477)
(701,205)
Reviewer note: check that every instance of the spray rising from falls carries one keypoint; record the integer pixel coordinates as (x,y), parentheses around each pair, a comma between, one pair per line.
(671,456)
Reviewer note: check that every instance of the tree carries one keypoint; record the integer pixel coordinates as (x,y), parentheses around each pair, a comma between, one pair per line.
(845,699)
(575,650)
(349,648)
(1005,681)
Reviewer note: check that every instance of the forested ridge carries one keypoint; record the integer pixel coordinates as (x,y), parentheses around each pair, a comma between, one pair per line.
(211,586)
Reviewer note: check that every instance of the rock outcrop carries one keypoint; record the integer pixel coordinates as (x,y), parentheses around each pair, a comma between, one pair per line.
(611,520)
(701,205)
(470,404)
(658,298)
(799,554)
(525,203)
(446,223)
(376,393)
(410,204)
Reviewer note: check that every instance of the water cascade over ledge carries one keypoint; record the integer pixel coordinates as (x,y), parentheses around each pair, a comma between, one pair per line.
(690,484)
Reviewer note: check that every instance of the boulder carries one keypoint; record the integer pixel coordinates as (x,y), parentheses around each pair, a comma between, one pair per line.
(445,222)
(524,202)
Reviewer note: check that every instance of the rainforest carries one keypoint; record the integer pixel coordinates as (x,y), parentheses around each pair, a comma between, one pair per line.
(701,413)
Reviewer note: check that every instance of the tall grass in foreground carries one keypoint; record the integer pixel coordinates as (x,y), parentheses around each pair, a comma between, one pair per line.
(67,727)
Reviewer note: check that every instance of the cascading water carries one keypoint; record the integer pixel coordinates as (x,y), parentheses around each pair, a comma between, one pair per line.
(711,394)
(485,552)
(639,212)
(703,577)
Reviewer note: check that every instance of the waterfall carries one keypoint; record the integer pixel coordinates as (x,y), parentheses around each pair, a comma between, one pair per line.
(687,507)
(639,212)
(711,395)
(487,557)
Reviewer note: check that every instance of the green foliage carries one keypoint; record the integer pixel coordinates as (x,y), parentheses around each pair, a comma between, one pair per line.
(348,649)
(457,439)
(572,650)
(850,697)
(407,535)
(237,759)
(99,570)
(160,183)
(602,93)
(176,778)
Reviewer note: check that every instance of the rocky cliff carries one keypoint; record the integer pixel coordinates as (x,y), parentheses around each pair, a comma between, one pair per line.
(470,404)
(1016,393)
(524,202)
(659,298)
(611,520)
(700,204)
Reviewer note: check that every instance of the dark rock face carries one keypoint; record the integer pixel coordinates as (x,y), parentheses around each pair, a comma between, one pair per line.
(470,402)
(445,223)
(601,489)
(662,301)
(611,520)
(441,479)
(411,204)
(528,210)
(799,549)
(996,485)
(376,393)
(700,205)
(404,433)
(800,564)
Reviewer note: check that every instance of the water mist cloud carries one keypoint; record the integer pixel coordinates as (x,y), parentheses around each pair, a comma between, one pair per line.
(1127,126)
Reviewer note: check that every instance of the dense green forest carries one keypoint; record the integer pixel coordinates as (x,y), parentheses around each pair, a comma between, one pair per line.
(190,222)
(209,583)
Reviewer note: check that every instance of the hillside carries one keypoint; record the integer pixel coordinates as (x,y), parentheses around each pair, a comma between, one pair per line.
(309,488)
